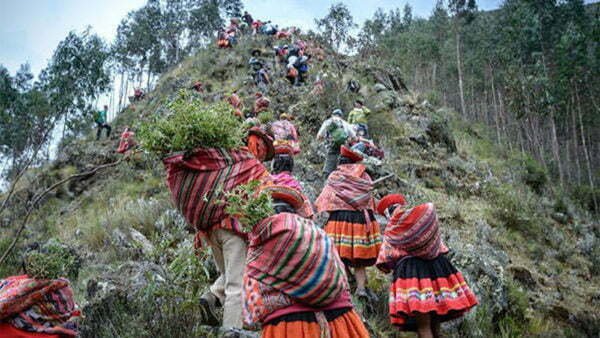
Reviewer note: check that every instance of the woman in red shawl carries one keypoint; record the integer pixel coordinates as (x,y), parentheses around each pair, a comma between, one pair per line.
(351,224)
(426,288)
(294,283)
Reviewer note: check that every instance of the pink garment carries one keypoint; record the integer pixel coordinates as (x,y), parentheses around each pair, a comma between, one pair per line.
(284,130)
(344,301)
(286,179)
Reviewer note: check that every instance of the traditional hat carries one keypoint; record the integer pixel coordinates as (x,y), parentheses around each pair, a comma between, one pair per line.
(260,144)
(337,112)
(285,194)
(350,154)
(388,201)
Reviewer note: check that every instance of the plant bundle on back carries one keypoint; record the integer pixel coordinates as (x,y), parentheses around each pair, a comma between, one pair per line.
(191,124)
(249,204)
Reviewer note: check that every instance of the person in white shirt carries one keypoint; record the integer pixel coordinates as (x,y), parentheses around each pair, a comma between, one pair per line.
(336,131)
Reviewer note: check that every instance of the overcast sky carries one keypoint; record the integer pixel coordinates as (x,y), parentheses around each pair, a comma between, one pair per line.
(31,29)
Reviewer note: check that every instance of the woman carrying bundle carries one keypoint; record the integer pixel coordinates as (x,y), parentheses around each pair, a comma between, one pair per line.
(426,289)
(351,224)
(294,283)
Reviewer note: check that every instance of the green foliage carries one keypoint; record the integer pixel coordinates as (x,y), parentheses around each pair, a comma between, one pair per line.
(249,204)
(584,196)
(336,25)
(191,124)
(535,175)
(51,261)
(76,77)
(514,209)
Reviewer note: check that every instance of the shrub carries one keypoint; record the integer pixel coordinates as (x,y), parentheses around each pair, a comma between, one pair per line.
(191,124)
(535,175)
(51,261)
(514,209)
(243,201)
(584,196)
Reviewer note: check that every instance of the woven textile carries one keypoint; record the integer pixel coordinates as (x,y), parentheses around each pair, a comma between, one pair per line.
(290,260)
(42,306)
(428,286)
(197,182)
(414,232)
(286,179)
(349,187)
(126,142)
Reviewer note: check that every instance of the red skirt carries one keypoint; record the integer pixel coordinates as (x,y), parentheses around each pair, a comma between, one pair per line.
(342,323)
(9,331)
(356,241)
(428,286)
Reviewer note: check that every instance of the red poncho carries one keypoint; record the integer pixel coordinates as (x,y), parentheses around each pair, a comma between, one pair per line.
(287,180)
(41,306)
(414,232)
(349,187)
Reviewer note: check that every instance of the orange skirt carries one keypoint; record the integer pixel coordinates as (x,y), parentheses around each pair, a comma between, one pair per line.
(9,331)
(304,325)
(356,241)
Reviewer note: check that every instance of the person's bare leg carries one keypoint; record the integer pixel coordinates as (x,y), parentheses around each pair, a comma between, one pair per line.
(424,326)
(361,278)
(435,327)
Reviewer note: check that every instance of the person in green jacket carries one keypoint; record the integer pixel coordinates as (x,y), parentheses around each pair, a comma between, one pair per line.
(100,119)
(358,117)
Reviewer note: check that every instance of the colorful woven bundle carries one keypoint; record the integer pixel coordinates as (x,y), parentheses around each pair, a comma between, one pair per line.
(127,141)
(197,181)
(42,306)
(293,256)
(412,232)
(349,187)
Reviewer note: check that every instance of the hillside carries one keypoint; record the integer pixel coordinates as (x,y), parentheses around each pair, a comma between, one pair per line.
(531,258)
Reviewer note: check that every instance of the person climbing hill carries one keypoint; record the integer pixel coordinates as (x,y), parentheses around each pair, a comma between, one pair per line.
(100,119)
(236,102)
(285,136)
(298,289)
(336,131)
(426,288)
(261,103)
(358,117)
(351,224)
(247,18)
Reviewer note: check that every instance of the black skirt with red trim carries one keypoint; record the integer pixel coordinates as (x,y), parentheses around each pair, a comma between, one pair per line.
(428,286)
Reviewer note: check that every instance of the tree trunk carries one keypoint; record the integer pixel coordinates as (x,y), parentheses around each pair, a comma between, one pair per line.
(460,75)
(433,76)
(496,114)
(585,151)
(555,148)
(504,119)
(576,150)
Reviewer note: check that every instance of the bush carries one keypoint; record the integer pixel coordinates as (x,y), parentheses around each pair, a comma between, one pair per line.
(51,261)
(584,196)
(191,124)
(514,209)
(535,175)
(250,207)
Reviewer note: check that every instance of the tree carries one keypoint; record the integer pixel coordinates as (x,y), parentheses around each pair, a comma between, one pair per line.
(75,77)
(336,25)
(463,11)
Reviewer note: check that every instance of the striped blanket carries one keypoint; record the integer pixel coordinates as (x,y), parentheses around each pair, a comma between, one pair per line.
(290,260)
(197,182)
(414,232)
(42,306)
(349,187)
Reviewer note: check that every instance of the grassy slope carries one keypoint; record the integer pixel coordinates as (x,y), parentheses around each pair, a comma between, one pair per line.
(533,275)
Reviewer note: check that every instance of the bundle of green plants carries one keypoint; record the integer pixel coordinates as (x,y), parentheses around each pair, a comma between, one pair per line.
(190,124)
(249,204)
(52,260)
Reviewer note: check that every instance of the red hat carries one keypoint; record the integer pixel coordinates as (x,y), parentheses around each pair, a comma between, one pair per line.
(350,154)
(286,194)
(388,201)
(260,144)
(258,94)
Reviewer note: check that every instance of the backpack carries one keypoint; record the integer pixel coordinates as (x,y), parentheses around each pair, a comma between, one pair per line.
(337,134)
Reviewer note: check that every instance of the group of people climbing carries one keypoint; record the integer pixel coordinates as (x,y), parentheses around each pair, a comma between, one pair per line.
(291,278)
(288,276)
